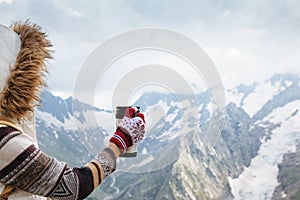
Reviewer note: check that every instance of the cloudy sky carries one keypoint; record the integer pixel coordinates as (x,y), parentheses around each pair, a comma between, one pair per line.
(247,40)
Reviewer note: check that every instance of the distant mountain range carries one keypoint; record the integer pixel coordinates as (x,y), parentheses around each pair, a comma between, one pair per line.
(256,156)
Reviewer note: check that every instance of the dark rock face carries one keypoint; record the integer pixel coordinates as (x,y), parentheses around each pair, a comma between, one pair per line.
(289,177)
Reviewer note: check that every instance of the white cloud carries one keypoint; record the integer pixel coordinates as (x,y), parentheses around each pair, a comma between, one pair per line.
(5,1)
(246,40)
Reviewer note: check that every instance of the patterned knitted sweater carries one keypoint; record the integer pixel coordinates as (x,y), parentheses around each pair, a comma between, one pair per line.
(33,172)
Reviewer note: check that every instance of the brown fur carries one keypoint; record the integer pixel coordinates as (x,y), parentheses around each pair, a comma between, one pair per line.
(21,92)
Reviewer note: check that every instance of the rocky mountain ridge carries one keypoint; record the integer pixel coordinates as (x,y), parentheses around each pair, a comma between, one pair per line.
(176,162)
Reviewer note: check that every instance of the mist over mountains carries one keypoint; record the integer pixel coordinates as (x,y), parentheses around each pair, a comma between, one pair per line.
(255,157)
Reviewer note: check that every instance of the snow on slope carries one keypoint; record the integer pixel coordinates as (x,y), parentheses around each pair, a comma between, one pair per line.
(259,180)
(50,120)
(103,119)
(253,101)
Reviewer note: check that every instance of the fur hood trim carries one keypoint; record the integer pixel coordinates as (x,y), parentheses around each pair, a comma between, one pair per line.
(21,91)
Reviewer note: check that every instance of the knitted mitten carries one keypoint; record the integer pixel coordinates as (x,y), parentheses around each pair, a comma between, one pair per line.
(130,131)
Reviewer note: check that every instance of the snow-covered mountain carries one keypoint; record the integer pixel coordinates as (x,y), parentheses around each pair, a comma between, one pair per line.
(253,159)
(69,130)
(277,112)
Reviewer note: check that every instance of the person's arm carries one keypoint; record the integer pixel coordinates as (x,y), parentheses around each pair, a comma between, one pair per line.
(78,183)
(25,167)
(115,149)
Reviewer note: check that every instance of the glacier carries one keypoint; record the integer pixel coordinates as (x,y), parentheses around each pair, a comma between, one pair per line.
(259,180)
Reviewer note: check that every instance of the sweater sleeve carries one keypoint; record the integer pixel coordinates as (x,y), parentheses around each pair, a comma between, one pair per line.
(25,167)
(78,183)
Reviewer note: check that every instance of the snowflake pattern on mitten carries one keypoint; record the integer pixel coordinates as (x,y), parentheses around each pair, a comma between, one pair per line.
(135,127)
